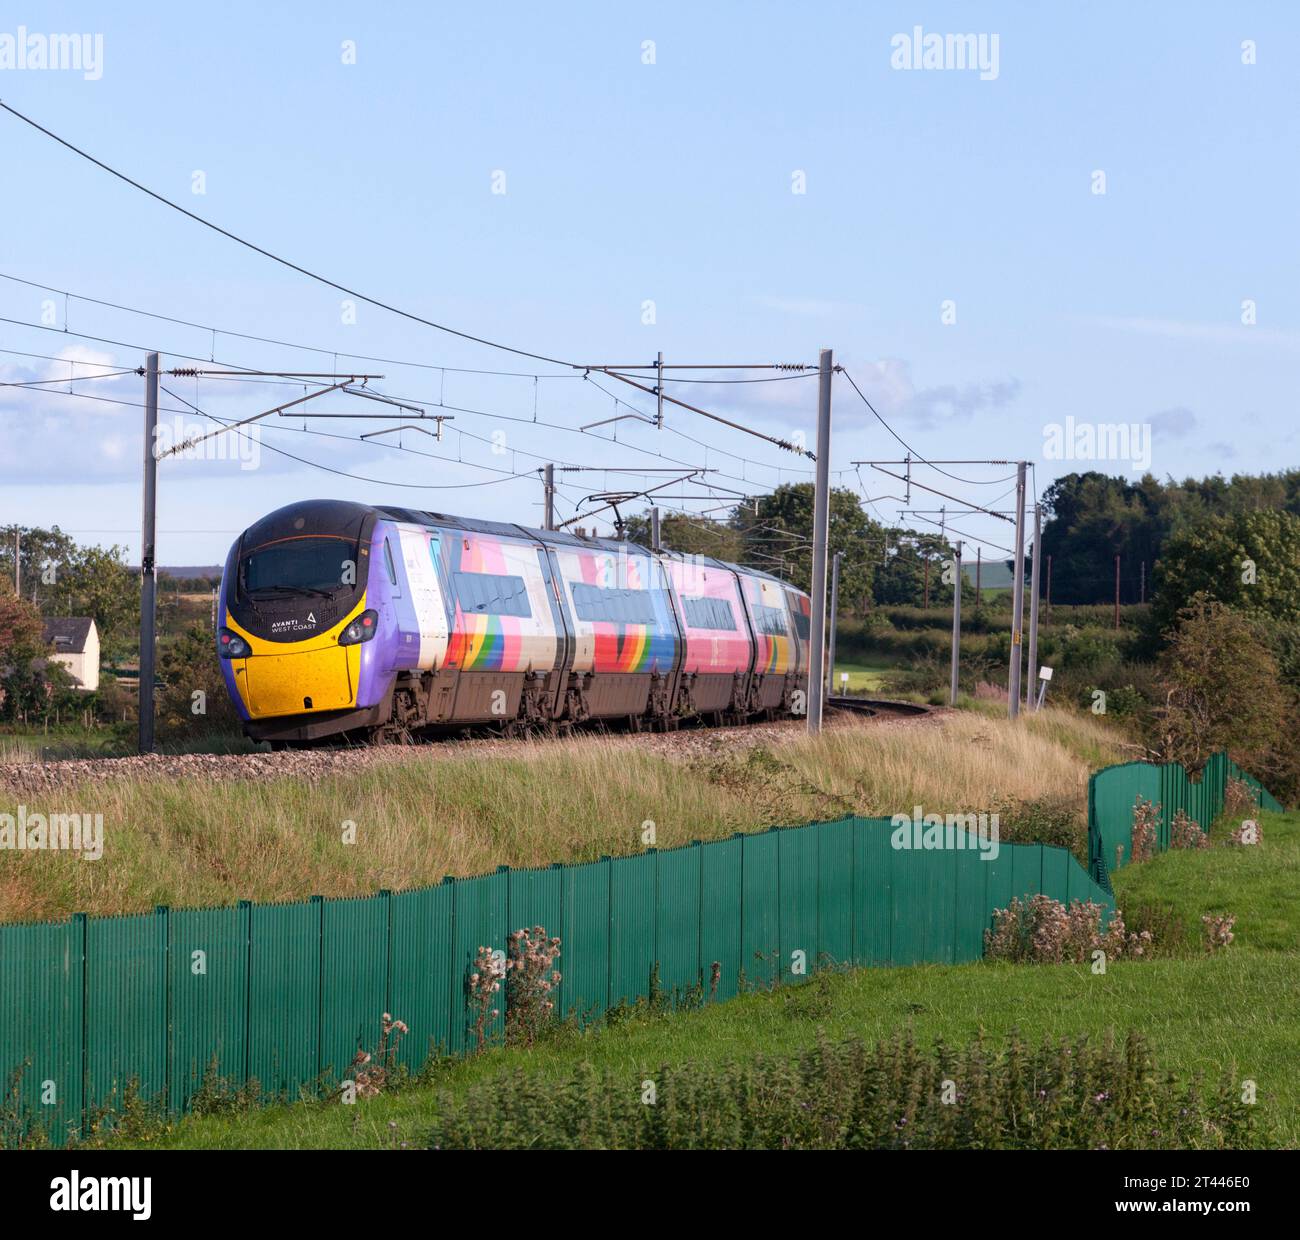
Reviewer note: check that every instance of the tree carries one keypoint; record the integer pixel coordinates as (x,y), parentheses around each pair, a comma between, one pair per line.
(98,583)
(194,696)
(1249,561)
(689,535)
(1221,690)
(31,684)
(20,628)
(778,539)
(64,579)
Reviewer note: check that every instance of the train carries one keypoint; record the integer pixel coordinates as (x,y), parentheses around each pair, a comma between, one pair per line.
(347,622)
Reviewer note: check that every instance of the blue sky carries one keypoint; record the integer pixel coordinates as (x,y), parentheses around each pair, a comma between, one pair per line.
(670,183)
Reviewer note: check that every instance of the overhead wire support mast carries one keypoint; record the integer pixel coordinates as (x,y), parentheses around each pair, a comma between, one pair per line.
(185,445)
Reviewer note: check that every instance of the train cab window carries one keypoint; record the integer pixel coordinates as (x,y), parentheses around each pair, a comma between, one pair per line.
(802,625)
(492,594)
(388,563)
(709,613)
(618,606)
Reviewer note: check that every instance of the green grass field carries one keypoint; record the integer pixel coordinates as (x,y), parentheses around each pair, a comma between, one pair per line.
(863,677)
(1235,1013)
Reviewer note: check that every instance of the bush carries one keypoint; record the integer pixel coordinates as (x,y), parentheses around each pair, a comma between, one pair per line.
(1145,817)
(1186,832)
(851,1095)
(1044,931)
(1059,820)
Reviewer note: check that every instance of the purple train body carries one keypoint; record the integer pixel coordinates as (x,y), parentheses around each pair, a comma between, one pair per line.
(382,622)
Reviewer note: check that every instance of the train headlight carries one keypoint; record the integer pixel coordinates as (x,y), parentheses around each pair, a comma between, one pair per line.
(232,646)
(362,629)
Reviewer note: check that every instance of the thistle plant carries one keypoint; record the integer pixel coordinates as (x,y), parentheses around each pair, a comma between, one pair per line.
(1186,832)
(1217,930)
(1239,798)
(1041,930)
(1145,818)
(371,1072)
(531,981)
(484,986)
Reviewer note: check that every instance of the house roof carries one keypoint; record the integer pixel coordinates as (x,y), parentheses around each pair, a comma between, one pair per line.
(68,634)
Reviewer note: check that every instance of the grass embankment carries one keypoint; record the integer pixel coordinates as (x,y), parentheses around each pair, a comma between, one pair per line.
(191,841)
(1235,1014)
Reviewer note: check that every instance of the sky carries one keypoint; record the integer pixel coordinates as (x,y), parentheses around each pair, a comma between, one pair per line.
(1093,224)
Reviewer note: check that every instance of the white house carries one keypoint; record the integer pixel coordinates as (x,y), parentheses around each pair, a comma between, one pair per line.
(76,645)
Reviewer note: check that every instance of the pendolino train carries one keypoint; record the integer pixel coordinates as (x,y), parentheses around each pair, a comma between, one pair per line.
(378,623)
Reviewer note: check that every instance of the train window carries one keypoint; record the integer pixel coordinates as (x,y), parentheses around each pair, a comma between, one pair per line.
(594,604)
(388,563)
(492,594)
(802,625)
(771,621)
(709,613)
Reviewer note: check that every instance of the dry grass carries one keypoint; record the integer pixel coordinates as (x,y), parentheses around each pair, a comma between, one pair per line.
(965,762)
(188,842)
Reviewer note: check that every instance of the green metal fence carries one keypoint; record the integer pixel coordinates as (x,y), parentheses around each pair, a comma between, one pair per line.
(286,994)
(1113,792)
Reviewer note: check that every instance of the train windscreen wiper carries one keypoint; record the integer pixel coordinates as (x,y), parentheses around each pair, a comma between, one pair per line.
(262,590)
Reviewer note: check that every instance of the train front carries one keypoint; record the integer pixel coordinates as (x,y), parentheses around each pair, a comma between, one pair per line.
(298,626)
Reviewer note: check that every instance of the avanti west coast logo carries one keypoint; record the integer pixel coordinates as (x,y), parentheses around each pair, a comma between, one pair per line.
(28,832)
(122,1193)
(924,832)
(294,624)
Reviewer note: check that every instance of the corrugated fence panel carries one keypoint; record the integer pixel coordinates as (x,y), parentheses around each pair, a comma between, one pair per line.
(872,900)
(278,993)
(998,887)
(631,926)
(1026,870)
(835,891)
(126,1007)
(1113,792)
(924,895)
(584,959)
(208,974)
(797,859)
(910,896)
(677,917)
(1056,873)
(421,971)
(760,943)
(40,1033)
(479,920)
(284,996)
(720,914)
(536,898)
(971,905)
(354,980)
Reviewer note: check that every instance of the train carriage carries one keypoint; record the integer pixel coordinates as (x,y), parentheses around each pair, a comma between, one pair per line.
(342,619)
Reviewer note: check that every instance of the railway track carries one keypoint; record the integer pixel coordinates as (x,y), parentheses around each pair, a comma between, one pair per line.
(36,777)
(877,706)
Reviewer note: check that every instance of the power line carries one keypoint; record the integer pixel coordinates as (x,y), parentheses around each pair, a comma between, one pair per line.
(912,451)
(40,383)
(286,344)
(284,262)
(123,344)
